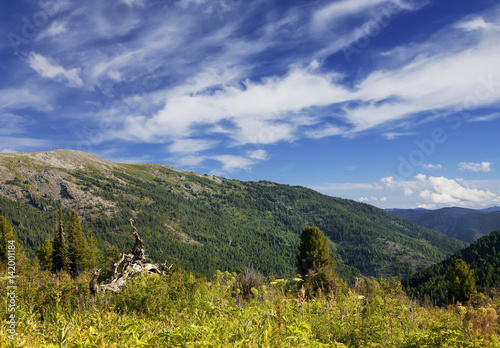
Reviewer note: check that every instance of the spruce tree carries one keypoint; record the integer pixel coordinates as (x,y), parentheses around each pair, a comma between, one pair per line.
(461,282)
(60,259)
(44,254)
(78,253)
(314,252)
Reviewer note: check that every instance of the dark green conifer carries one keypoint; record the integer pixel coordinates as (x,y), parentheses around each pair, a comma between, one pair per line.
(60,257)
(44,254)
(461,283)
(78,253)
(314,252)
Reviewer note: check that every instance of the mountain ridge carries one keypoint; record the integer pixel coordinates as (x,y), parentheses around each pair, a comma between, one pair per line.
(464,224)
(205,223)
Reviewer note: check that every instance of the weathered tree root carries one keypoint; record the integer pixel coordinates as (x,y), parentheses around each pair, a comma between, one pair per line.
(129,266)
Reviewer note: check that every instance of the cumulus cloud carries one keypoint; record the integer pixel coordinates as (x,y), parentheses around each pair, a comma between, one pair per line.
(475,167)
(432,166)
(435,192)
(46,67)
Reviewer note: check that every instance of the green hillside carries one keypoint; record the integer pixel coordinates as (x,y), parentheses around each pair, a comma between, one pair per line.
(204,223)
(482,258)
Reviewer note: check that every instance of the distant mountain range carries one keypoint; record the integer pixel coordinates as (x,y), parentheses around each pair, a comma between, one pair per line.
(460,223)
(203,223)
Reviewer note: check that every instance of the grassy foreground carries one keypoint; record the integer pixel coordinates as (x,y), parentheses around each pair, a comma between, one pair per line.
(181,310)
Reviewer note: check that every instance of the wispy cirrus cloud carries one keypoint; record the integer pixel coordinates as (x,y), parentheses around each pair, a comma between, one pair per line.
(201,86)
(46,67)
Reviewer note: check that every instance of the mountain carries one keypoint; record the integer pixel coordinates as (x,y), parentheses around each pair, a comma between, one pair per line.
(204,223)
(482,258)
(490,209)
(460,223)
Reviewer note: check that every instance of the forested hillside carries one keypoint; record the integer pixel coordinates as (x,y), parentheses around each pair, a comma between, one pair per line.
(204,223)
(482,258)
(460,223)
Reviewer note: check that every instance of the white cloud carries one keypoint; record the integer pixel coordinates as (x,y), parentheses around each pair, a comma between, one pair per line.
(339,10)
(433,166)
(325,131)
(55,29)
(188,161)
(257,154)
(115,75)
(395,135)
(435,192)
(191,145)
(232,162)
(20,143)
(8,151)
(475,167)
(364,199)
(45,67)
(12,124)
(23,98)
(485,118)
(477,23)
(266,112)
(186,3)
(263,113)
(132,3)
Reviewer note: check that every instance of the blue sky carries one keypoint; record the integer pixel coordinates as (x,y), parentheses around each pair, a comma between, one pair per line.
(390,102)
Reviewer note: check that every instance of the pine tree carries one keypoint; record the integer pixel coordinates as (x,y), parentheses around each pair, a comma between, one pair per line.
(461,282)
(314,252)
(78,253)
(60,259)
(7,235)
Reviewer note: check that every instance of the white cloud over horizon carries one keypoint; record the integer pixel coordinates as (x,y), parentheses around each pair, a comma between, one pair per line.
(435,192)
(475,167)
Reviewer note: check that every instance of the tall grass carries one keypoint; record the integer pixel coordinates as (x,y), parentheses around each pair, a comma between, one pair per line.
(181,310)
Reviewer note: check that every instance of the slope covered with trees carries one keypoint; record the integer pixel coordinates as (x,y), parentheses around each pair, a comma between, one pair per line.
(204,223)
(481,258)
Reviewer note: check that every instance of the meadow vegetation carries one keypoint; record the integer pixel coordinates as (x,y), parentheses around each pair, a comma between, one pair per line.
(184,310)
